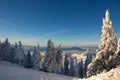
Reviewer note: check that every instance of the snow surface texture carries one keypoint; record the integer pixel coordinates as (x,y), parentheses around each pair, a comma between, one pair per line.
(113,74)
(10,71)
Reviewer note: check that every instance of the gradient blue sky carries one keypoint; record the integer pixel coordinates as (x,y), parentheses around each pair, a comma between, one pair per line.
(72,22)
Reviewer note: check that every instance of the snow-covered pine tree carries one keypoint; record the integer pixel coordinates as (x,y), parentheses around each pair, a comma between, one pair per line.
(16,53)
(52,61)
(76,68)
(12,55)
(87,62)
(37,57)
(72,66)
(106,51)
(6,49)
(66,65)
(21,54)
(80,69)
(28,60)
(2,51)
(59,58)
(49,60)
(34,57)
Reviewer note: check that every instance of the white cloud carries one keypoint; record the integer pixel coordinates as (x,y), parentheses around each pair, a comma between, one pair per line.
(9,23)
(10,29)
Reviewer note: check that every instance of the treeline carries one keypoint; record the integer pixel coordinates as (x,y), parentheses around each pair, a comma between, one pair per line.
(16,54)
(12,53)
(52,61)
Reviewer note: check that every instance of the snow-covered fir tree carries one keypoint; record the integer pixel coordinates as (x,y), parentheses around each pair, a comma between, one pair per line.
(59,58)
(72,65)
(88,61)
(107,47)
(34,56)
(48,63)
(80,69)
(52,61)
(37,58)
(16,53)
(12,55)
(66,65)
(21,54)
(28,60)
(76,66)
(6,49)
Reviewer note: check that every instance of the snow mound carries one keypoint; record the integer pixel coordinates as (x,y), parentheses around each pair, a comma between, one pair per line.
(113,74)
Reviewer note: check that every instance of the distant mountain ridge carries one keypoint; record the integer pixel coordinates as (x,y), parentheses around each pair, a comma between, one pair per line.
(44,48)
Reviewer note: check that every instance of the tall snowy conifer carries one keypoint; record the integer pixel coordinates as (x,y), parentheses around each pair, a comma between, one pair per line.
(88,61)
(53,59)
(12,55)
(21,54)
(37,57)
(66,65)
(72,65)
(106,51)
(80,69)
(6,50)
(49,61)
(34,57)
(16,53)
(28,60)
(59,58)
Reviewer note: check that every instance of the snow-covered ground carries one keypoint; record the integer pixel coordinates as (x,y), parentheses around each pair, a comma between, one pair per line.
(113,74)
(10,71)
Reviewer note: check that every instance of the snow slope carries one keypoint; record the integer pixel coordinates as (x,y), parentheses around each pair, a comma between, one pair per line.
(10,71)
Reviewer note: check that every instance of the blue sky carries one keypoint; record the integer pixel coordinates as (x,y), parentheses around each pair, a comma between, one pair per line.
(72,22)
